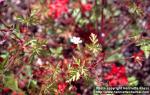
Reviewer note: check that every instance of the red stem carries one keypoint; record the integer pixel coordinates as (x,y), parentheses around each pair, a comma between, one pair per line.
(102,18)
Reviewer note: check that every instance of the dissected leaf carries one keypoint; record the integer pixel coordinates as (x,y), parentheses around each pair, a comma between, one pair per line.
(94,47)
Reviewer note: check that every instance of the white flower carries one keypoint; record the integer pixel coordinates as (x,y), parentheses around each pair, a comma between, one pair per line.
(39,62)
(76,40)
(103,35)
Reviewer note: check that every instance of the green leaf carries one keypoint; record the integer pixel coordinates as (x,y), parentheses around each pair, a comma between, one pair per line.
(75,12)
(42,1)
(77,61)
(145,46)
(56,52)
(11,82)
(115,57)
(136,9)
(146,50)
(74,75)
(33,12)
(5,56)
(133,81)
(31,20)
(83,22)
(50,32)
(32,84)
(28,69)
(94,47)
(37,46)
(117,13)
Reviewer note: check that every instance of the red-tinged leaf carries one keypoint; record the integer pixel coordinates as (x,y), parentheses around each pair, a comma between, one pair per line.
(108,77)
(62,87)
(86,7)
(75,65)
(116,76)
(6,90)
(1,59)
(123,81)
(113,83)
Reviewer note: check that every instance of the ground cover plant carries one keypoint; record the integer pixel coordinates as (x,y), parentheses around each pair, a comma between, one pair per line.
(71,47)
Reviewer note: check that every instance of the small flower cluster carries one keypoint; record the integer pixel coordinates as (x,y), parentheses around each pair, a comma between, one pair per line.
(76,40)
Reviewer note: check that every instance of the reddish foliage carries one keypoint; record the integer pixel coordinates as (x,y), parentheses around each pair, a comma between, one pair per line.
(50,45)
(57,8)
(138,57)
(1,59)
(62,86)
(5,90)
(16,93)
(117,76)
(86,7)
